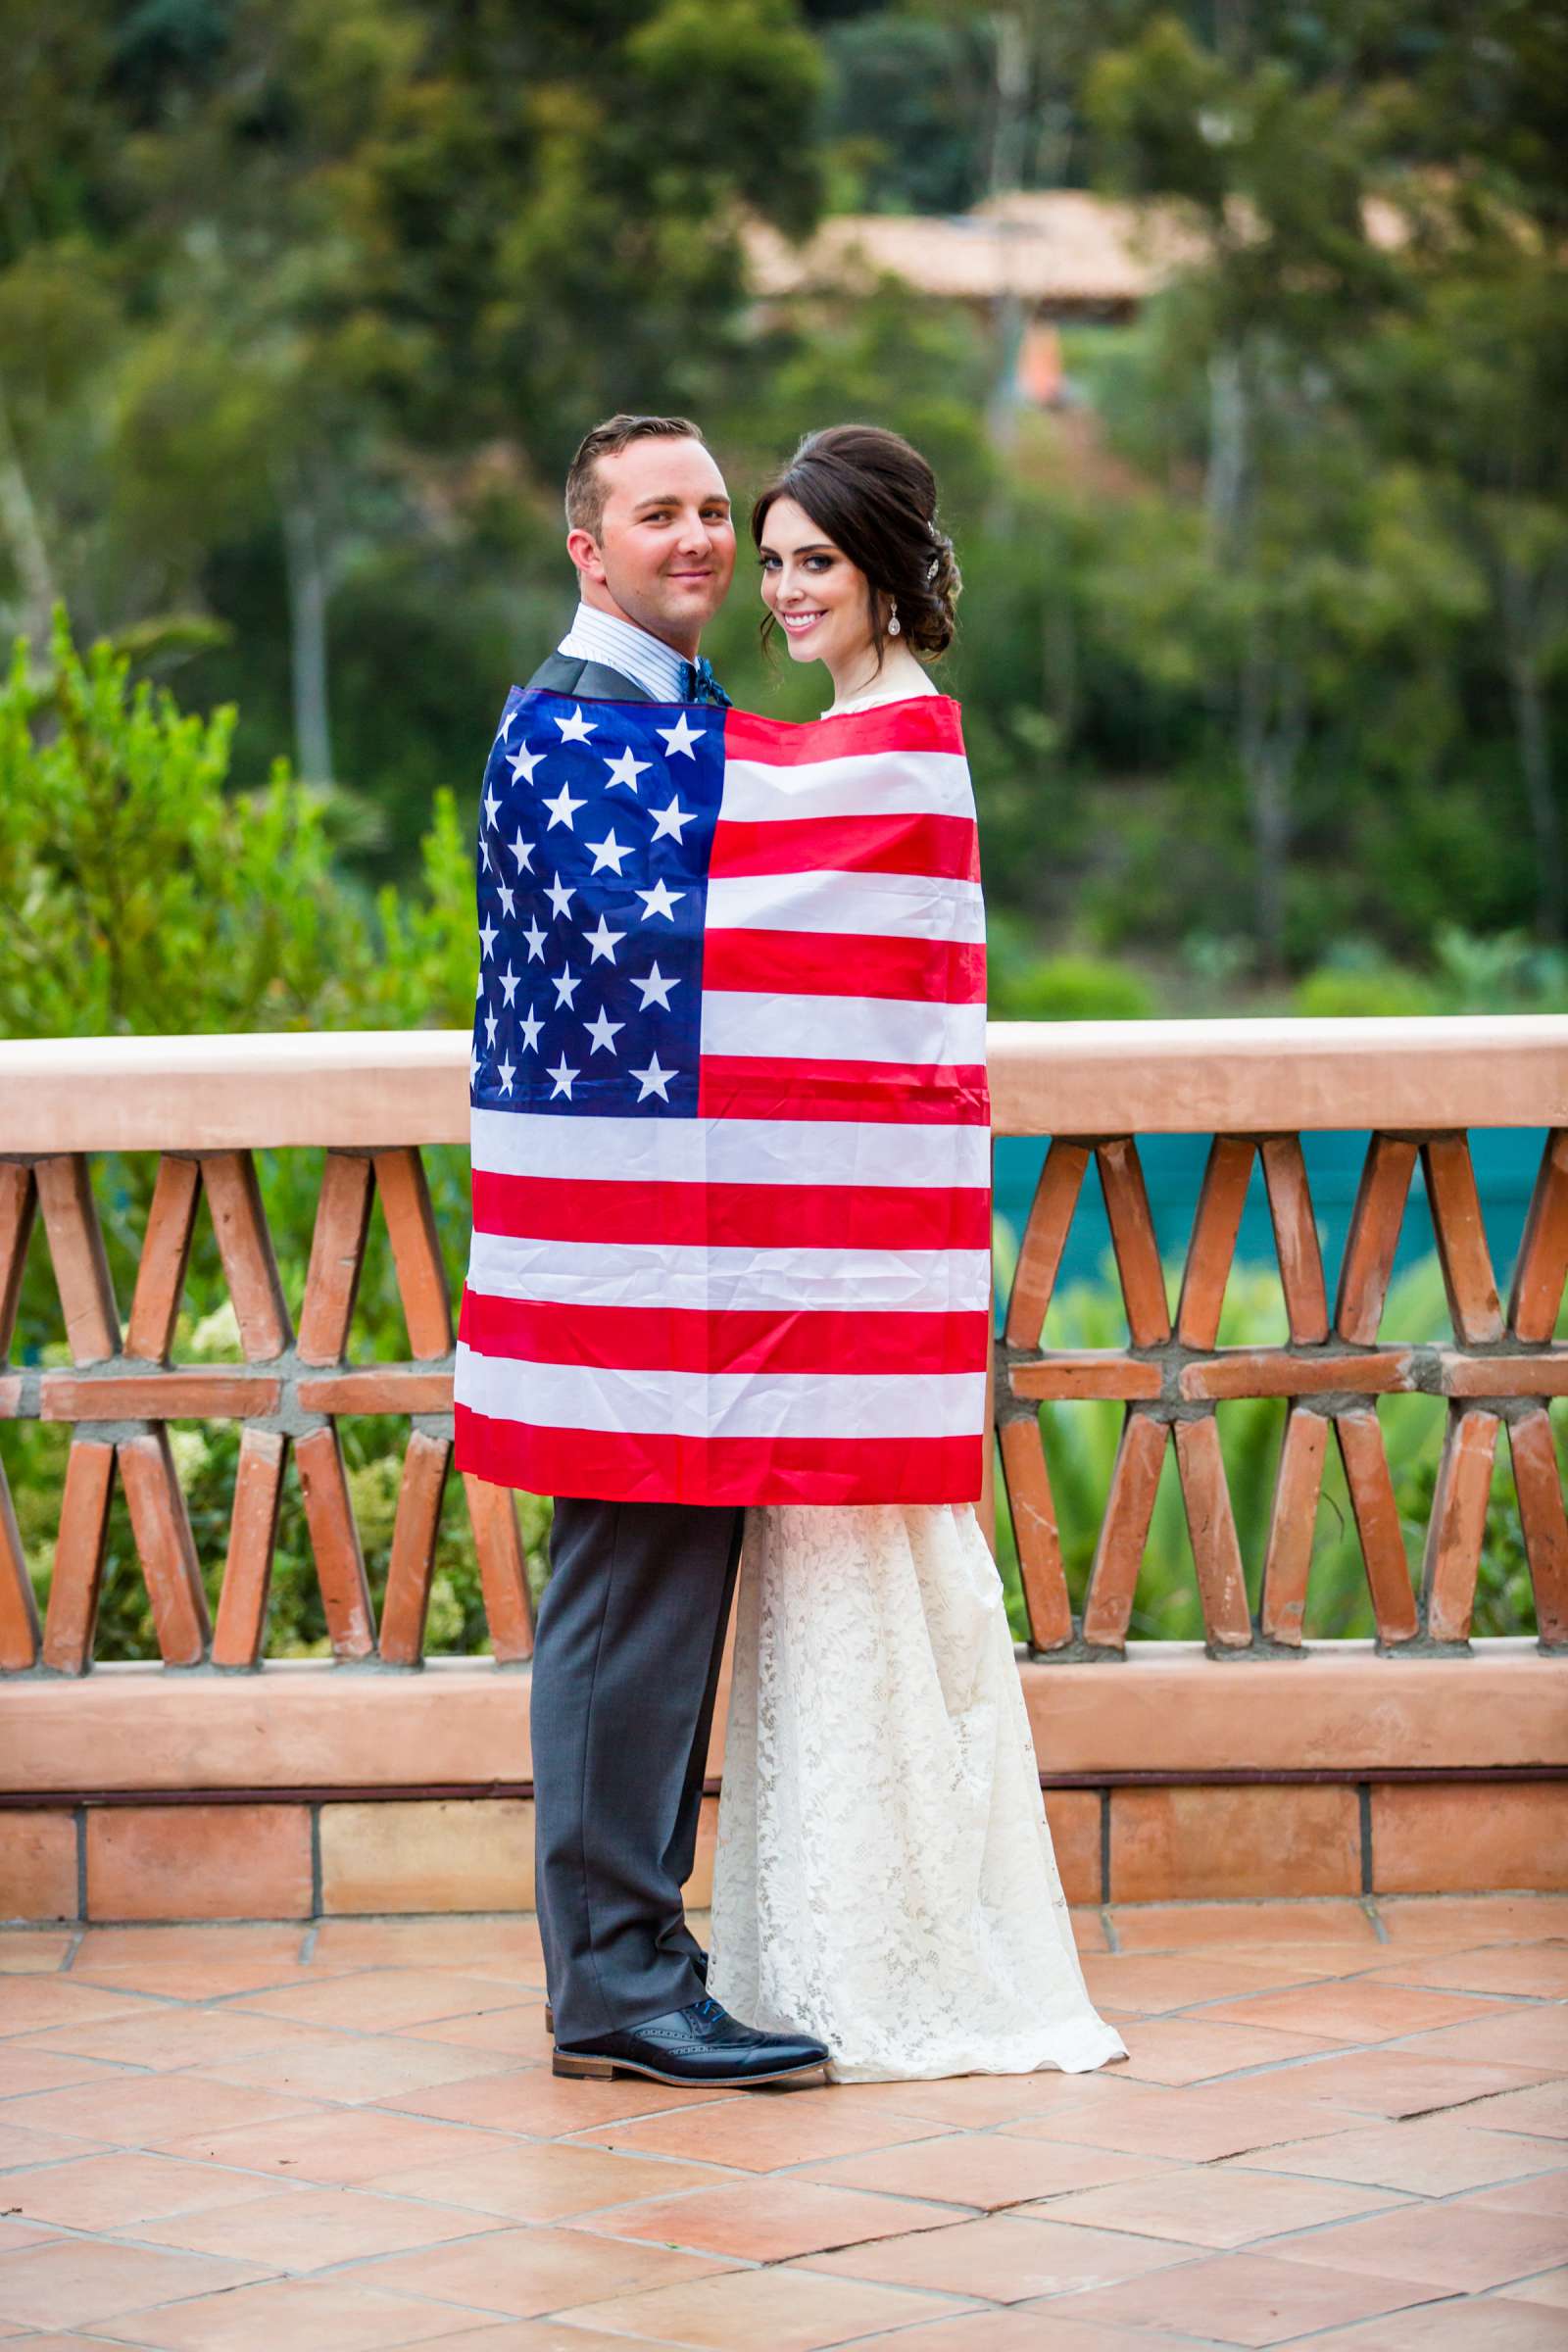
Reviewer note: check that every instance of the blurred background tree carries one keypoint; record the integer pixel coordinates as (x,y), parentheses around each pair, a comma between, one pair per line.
(1265,628)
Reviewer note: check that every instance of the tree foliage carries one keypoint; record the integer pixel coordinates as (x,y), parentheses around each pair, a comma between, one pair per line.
(1265,629)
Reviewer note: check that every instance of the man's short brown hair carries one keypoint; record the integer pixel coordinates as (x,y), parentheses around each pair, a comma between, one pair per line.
(585,487)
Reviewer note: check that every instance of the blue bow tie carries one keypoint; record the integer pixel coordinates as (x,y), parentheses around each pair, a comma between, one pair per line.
(703,687)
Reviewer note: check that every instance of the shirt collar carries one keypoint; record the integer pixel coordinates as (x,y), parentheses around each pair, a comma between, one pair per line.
(647,660)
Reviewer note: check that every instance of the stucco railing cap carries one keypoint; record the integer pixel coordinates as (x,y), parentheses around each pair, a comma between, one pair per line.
(367,1088)
(351,1087)
(1273,1076)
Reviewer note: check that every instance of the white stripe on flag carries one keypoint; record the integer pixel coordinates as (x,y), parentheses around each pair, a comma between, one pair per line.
(814,1151)
(722,1281)
(872,784)
(736,1021)
(722,1405)
(899,905)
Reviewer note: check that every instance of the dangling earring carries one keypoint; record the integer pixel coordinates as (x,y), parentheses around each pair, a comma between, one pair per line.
(894,626)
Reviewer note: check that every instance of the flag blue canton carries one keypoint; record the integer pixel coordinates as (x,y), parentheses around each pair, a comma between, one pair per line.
(596,826)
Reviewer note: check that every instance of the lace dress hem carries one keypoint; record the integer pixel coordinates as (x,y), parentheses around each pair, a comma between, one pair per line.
(884,1877)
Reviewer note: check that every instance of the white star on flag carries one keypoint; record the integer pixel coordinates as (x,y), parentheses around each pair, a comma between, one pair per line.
(603,942)
(478,985)
(608,852)
(655,988)
(670,821)
(491,805)
(490,1025)
(484,853)
(536,940)
(473,1066)
(562,1078)
(508,982)
(523,851)
(560,894)
(626,769)
(509,905)
(562,807)
(681,736)
(513,716)
(655,1081)
(522,764)
(528,1028)
(660,900)
(507,1073)
(575,729)
(566,984)
(604,1031)
(487,937)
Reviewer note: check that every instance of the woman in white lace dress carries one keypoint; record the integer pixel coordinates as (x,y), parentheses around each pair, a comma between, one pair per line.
(884,1878)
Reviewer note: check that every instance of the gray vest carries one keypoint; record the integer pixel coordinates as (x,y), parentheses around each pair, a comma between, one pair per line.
(589,681)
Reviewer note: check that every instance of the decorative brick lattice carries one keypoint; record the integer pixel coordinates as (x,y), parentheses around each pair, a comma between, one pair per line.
(293,1387)
(1500,1373)
(296,1384)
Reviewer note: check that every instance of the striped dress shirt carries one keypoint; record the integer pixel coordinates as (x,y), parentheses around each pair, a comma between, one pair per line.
(647,660)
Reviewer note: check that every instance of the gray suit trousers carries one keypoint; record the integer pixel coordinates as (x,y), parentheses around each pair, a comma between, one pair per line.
(626,1660)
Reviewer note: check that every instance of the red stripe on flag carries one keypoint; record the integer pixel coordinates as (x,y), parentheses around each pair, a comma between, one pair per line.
(744,1086)
(657,1339)
(846,963)
(733,1216)
(614,1467)
(926,723)
(946,847)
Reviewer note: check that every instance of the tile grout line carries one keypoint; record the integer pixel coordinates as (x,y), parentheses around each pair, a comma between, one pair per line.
(1348,2049)
(1265,2246)
(80,1812)
(171,2005)
(1363,1807)
(130,2071)
(314,1818)
(734,2264)
(491,2222)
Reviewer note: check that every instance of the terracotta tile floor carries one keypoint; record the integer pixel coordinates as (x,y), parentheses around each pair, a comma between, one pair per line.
(1343,2124)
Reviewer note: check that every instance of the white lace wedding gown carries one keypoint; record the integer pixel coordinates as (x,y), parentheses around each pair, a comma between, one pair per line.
(884,1877)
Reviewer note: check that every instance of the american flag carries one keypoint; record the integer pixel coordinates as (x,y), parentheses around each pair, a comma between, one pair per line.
(730,1126)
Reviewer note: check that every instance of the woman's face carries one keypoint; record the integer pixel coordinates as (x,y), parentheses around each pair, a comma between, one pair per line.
(816,595)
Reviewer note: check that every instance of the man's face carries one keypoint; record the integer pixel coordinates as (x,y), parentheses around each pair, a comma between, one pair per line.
(666,551)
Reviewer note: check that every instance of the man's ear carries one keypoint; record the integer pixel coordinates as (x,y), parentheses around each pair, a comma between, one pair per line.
(583,549)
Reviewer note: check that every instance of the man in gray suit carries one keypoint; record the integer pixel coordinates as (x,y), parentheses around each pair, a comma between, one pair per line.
(632,1628)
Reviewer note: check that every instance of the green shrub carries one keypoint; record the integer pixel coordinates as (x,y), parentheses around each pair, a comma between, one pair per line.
(1505,973)
(143,894)
(1070,988)
(1364,990)
(140,893)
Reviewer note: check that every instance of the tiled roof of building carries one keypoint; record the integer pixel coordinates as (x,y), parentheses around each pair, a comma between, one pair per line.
(1060,247)
(1055,249)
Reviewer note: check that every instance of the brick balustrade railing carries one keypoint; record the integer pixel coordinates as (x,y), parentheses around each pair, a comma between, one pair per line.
(313,1730)
(1255,1087)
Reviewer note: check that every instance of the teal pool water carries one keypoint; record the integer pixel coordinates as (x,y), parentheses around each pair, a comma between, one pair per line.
(1506,1162)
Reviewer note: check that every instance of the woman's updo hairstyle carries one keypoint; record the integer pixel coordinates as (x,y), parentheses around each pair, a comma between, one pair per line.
(876,498)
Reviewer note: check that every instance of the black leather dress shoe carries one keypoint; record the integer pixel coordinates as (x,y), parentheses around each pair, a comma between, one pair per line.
(700,2045)
(699,1962)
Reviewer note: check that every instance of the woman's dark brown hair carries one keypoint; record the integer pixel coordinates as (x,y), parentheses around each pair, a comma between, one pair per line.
(876,498)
